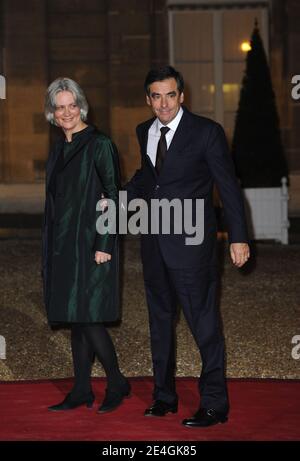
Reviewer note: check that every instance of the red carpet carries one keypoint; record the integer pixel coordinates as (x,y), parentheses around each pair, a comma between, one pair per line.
(260,410)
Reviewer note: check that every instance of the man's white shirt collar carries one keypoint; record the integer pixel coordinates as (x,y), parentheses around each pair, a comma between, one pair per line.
(154,134)
(172,125)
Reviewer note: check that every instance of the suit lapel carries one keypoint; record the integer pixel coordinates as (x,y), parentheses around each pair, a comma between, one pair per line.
(181,136)
(143,139)
(179,141)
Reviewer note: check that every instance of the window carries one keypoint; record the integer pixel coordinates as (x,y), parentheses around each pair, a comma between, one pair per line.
(208,45)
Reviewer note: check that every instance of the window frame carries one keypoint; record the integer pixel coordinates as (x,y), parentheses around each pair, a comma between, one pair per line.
(217,7)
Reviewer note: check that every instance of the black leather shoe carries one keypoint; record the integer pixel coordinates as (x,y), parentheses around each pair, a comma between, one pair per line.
(114,398)
(160,408)
(205,417)
(69,403)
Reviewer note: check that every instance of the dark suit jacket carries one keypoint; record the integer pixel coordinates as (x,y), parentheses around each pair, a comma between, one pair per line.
(197,157)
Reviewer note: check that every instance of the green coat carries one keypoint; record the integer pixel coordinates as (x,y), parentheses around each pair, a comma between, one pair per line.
(76,289)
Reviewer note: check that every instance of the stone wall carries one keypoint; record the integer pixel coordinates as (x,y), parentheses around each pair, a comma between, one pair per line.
(285,52)
(107,46)
(138,39)
(24,134)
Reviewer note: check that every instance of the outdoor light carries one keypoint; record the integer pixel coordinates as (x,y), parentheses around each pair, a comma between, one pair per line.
(245,46)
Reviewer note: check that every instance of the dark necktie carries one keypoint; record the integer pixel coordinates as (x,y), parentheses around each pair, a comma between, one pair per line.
(161,149)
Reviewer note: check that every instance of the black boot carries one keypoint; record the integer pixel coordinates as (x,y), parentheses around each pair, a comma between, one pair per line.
(69,403)
(113,398)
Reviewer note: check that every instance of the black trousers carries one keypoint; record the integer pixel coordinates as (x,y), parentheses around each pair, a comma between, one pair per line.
(197,291)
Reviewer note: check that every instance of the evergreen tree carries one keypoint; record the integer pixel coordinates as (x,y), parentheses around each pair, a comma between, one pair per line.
(257,147)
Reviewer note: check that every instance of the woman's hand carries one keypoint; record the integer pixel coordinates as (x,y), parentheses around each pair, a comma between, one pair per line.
(101,257)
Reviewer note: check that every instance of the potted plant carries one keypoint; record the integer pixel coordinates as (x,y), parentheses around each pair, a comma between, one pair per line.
(257,149)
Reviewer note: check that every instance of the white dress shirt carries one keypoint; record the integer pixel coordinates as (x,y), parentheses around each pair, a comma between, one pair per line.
(154,134)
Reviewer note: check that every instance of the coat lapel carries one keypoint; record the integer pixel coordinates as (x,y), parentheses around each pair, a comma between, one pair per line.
(78,141)
(53,157)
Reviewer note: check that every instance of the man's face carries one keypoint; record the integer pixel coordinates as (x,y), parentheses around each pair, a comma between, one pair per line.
(165,100)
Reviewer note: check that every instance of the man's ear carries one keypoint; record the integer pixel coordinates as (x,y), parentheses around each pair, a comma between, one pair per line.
(148,100)
(181,99)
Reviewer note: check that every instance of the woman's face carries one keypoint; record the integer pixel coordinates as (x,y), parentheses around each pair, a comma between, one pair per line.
(67,113)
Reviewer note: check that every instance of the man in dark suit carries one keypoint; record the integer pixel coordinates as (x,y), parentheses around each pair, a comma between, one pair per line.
(182,156)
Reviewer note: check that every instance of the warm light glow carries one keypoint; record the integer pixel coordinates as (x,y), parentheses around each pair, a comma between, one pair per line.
(230,87)
(210,88)
(245,46)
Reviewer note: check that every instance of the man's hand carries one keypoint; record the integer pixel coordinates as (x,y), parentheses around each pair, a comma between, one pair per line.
(101,257)
(240,253)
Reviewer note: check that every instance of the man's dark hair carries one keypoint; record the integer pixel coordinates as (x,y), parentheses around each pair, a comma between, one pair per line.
(163,73)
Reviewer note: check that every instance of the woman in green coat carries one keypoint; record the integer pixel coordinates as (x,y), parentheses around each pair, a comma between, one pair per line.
(80,265)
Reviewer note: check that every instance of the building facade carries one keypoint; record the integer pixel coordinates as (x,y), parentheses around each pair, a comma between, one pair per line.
(109,45)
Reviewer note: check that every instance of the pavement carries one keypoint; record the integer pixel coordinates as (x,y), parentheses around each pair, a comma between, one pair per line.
(259,306)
